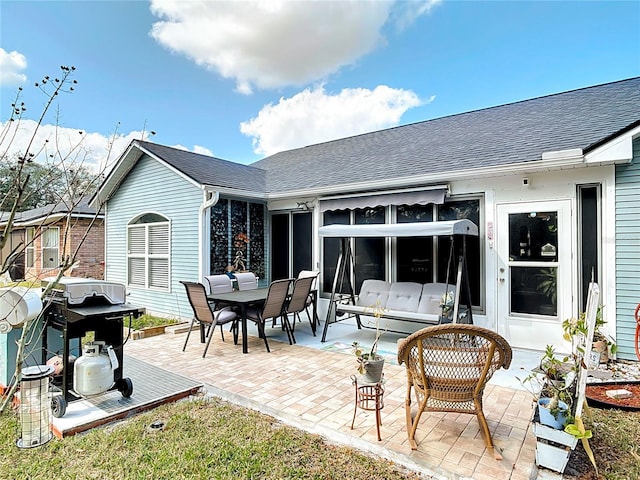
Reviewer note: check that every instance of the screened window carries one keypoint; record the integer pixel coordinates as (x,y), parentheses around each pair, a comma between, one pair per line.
(50,247)
(413,259)
(148,252)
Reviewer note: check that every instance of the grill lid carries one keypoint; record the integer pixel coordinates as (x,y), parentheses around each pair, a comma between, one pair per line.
(77,290)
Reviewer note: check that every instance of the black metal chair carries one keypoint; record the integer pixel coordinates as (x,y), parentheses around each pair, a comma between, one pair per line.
(206,317)
(274,308)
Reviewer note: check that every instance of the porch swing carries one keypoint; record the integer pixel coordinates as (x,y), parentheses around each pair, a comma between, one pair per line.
(344,301)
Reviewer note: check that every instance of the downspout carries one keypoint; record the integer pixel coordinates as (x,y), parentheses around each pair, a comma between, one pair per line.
(202,234)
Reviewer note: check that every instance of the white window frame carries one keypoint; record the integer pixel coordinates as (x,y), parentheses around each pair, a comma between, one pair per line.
(50,243)
(29,247)
(152,255)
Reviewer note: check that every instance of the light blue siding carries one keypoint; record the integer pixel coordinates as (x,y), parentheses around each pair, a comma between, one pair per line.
(152,187)
(627,252)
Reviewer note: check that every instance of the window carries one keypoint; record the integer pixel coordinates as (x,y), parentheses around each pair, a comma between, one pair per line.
(29,248)
(50,247)
(413,259)
(148,252)
(238,231)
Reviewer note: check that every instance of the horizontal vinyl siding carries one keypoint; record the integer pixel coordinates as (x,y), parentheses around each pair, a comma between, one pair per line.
(151,187)
(627,252)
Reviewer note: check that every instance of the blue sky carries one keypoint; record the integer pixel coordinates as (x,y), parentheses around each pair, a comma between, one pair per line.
(242,80)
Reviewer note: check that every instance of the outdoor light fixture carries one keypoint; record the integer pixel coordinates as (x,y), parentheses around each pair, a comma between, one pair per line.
(35,406)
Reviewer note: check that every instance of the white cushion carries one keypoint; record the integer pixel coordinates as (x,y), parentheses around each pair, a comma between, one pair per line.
(373,292)
(432,297)
(404,296)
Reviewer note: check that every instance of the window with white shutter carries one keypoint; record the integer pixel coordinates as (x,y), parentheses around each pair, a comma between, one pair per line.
(148,252)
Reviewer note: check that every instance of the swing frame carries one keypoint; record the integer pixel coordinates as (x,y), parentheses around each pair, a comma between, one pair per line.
(342,288)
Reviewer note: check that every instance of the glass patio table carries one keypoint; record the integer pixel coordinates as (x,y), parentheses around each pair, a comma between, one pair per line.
(241,299)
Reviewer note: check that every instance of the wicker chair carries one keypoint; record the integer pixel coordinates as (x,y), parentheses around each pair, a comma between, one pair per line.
(449,366)
(204,314)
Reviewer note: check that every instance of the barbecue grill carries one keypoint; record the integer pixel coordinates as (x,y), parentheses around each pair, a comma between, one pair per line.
(75,307)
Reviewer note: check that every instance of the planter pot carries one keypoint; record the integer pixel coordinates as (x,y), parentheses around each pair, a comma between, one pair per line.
(602,349)
(373,370)
(553,447)
(547,418)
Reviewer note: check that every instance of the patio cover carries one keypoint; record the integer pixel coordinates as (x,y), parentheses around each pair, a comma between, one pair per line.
(416,229)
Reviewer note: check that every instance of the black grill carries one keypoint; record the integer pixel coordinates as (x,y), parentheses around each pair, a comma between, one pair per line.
(76,307)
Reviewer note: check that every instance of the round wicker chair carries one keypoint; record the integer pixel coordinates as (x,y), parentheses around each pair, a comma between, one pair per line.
(448,366)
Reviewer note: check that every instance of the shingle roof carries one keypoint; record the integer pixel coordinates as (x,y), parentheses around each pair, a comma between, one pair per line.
(503,135)
(82,208)
(209,170)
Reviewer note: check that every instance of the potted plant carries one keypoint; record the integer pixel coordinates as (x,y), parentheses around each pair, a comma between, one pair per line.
(603,345)
(370,363)
(552,383)
(446,306)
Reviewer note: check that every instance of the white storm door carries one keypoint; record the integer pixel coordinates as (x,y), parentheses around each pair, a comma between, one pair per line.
(534,272)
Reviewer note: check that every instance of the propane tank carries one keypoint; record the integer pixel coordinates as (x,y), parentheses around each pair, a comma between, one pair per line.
(93,371)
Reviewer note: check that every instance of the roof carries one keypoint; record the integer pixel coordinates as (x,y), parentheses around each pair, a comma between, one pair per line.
(498,136)
(207,170)
(50,212)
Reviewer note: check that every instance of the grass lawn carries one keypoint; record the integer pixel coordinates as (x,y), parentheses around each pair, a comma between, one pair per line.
(208,439)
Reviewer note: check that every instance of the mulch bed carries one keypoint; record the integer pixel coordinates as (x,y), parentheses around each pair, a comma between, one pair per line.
(597,396)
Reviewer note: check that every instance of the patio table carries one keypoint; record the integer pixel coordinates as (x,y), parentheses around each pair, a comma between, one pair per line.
(241,299)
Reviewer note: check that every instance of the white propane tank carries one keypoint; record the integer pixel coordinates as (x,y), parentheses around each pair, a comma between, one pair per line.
(93,371)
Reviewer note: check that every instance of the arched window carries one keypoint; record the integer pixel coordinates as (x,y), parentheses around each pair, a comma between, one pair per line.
(148,252)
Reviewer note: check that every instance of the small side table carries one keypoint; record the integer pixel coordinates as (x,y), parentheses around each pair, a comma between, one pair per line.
(369,396)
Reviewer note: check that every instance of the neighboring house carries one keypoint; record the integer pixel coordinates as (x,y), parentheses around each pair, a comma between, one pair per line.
(552,182)
(39,241)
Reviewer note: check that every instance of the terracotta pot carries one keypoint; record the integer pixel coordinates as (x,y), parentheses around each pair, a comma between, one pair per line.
(601,347)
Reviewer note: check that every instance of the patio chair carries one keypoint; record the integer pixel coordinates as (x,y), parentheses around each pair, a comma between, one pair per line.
(312,300)
(246,280)
(448,366)
(204,314)
(274,307)
(298,301)
(219,283)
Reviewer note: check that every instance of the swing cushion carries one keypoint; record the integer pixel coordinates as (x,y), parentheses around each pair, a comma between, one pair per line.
(431,297)
(408,301)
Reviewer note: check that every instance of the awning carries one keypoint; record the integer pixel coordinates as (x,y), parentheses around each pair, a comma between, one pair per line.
(418,197)
(416,229)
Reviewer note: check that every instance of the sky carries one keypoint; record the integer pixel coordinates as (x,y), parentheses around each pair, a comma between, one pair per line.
(241,80)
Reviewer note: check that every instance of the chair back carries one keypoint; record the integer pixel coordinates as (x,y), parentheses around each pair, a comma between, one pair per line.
(451,362)
(197,296)
(246,281)
(219,283)
(276,297)
(300,295)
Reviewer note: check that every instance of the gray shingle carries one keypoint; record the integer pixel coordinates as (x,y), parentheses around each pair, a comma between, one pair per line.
(503,135)
(210,170)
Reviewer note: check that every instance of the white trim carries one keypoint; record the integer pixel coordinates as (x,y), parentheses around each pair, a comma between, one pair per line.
(617,150)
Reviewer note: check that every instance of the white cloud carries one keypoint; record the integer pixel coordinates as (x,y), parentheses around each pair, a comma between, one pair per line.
(270,44)
(11,66)
(53,143)
(313,116)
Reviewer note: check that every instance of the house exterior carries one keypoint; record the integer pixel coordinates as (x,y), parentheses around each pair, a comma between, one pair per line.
(552,183)
(39,241)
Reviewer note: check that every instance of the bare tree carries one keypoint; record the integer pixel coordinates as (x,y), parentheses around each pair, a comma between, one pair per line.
(64,164)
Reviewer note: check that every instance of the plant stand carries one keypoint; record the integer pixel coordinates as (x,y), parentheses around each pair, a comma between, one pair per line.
(553,447)
(369,396)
